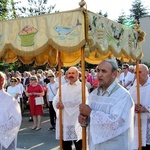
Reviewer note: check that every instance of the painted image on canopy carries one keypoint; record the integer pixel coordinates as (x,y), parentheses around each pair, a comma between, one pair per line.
(27,35)
(70,31)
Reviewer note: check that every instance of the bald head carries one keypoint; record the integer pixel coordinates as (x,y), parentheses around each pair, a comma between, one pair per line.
(143,73)
(73,74)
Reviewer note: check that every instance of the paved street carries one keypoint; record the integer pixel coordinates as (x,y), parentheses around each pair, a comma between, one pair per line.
(36,140)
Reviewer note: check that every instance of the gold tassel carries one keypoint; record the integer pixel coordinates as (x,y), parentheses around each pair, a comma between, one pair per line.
(96,55)
(50,52)
(47,66)
(130,60)
(19,64)
(90,39)
(122,60)
(34,66)
(141,34)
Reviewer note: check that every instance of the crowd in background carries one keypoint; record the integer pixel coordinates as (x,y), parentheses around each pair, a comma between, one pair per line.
(24,87)
(17,83)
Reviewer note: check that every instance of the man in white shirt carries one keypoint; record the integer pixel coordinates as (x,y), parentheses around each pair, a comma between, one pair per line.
(143,108)
(71,99)
(10,118)
(110,112)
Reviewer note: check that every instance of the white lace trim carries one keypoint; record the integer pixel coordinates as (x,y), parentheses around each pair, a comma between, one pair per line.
(148,132)
(8,132)
(106,126)
(110,116)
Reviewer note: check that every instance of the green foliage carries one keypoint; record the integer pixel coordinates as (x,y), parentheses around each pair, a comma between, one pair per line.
(11,9)
(147,64)
(138,10)
(35,8)
(3,9)
(122,17)
(105,15)
(12,66)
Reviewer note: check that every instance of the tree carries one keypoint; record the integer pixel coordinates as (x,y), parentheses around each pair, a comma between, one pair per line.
(3,9)
(121,17)
(11,10)
(35,8)
(105,15)
(138,10)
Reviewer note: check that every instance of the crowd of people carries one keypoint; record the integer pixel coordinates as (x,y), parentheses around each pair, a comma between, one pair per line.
(110,111)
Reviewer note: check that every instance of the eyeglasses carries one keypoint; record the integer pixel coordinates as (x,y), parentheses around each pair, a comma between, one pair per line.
(32,79)
(124,68)
(50,76)
(12,81)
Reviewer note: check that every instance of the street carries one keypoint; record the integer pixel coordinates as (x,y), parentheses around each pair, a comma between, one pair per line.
(43,139)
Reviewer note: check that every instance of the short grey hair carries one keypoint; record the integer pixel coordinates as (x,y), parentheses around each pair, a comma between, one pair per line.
(113,63)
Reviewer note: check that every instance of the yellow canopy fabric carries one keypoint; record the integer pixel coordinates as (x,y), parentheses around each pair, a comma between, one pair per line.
(40,38)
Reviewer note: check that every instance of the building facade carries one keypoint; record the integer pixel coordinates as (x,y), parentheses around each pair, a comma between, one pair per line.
(145,26)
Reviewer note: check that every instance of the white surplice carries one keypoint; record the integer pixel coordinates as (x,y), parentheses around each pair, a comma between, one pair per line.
(111,120)
(145,117)
(10,121)
(71,99)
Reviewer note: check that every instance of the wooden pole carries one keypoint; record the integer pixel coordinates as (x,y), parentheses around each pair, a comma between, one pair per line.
(60,111)
(138,102)
(83,97)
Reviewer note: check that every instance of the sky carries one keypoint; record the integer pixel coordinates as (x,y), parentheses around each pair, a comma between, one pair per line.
(112,7)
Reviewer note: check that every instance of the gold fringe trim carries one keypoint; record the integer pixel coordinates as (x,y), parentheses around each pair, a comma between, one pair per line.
(66,48)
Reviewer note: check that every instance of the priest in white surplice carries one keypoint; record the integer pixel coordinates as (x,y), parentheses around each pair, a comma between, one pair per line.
(71,99)
(10,118)
(110,112)
(143,108)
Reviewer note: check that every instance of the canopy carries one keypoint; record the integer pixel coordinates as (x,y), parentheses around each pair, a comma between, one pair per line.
(68,34)
(39,39)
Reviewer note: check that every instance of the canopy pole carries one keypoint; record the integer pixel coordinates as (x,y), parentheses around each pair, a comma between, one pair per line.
(83,97)
(60,110)
(138,102)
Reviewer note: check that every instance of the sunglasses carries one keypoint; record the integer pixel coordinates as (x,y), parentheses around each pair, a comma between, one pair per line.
(50,76)
(32,79)
(12,81)
(124,68)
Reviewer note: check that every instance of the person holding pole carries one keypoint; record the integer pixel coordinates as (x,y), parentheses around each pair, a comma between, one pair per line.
(143,108)
(109,112)
(71,99)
